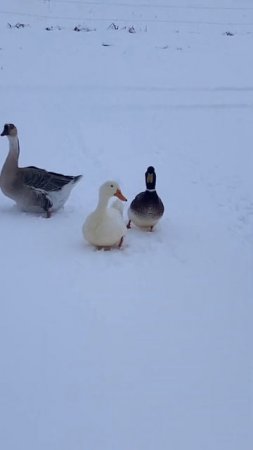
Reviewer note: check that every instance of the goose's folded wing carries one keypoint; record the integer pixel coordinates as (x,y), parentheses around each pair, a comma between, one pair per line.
(41,199)
(46,181)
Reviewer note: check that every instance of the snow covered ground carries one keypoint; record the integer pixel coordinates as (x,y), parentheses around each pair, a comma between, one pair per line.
(149,347)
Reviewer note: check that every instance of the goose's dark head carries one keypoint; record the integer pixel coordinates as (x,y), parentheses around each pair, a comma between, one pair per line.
(9,130)
(150,178)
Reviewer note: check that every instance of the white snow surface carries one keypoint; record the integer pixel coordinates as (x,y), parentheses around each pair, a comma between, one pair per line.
(147,347)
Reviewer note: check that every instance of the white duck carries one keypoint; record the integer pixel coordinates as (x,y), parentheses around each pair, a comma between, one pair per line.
(33,189)
(105,227)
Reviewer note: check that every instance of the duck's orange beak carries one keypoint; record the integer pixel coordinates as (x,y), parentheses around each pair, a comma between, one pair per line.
(119,194)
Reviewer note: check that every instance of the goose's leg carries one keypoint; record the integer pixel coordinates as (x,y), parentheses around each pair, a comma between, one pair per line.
(151,228)
(48,214)
(46,205)
(129,224)
(121,241)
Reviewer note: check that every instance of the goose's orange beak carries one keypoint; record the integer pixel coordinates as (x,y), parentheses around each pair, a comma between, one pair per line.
(119,194)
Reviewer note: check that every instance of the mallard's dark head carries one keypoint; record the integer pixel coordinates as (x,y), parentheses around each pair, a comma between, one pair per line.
(150,178)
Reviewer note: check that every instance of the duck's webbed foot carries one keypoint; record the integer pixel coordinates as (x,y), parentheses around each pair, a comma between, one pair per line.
(105,248)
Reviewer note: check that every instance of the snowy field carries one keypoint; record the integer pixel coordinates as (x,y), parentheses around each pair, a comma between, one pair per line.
(147,347)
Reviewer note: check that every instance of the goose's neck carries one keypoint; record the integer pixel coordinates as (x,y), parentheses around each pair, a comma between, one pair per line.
(11,161)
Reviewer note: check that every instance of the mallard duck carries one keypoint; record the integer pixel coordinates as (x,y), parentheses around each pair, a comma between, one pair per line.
(33,189)
(147,208)
(105,227)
